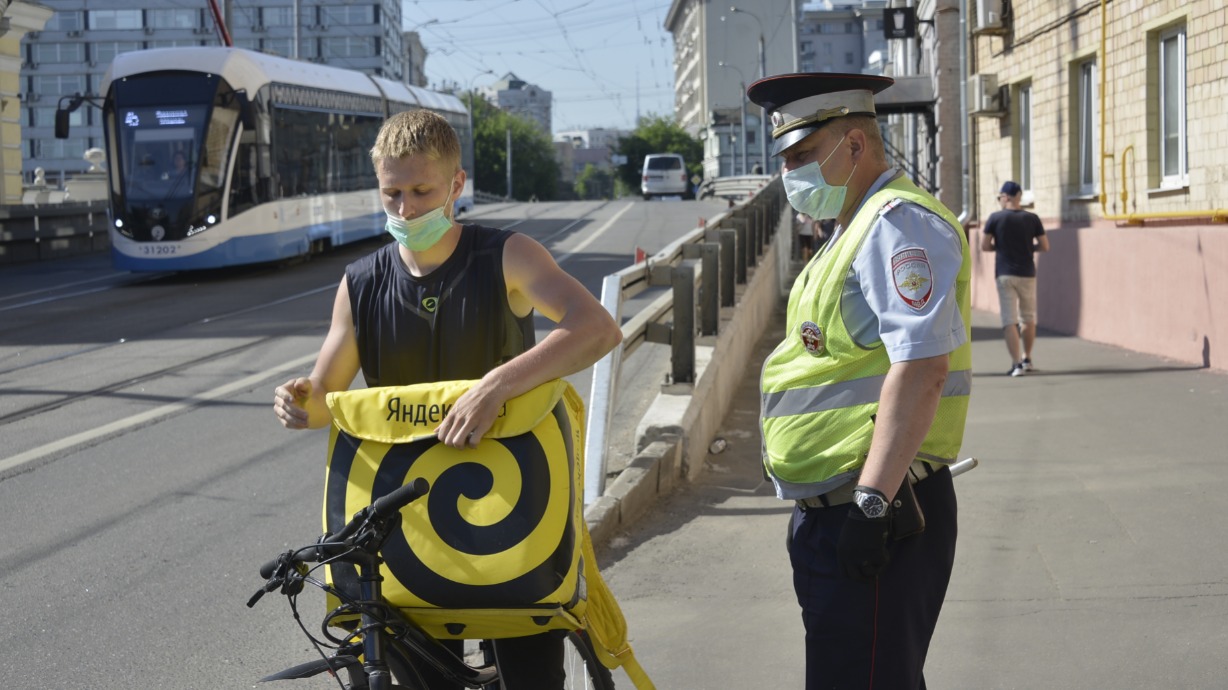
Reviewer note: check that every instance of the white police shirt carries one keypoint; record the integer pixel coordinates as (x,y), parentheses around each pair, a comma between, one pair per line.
(877,310)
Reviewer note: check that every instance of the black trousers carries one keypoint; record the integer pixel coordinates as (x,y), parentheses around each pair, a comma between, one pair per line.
(525,663)
(872,636)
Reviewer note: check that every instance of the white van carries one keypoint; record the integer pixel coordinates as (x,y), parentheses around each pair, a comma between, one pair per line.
(665,174)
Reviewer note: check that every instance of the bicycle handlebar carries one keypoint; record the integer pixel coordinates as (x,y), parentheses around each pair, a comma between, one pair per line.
(331,545)
(387,506)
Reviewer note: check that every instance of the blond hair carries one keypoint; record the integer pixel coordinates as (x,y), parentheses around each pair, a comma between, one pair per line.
(417,132)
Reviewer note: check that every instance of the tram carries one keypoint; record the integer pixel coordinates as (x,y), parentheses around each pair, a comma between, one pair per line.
(224,156)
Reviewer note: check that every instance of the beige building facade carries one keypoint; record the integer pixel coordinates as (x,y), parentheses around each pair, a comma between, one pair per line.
(1110,115)
(16,20)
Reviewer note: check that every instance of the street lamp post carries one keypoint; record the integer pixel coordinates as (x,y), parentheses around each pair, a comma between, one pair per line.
(762,74)
(742,123)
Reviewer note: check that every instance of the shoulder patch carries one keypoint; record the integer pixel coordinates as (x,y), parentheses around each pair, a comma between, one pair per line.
(890,205)
(913,277)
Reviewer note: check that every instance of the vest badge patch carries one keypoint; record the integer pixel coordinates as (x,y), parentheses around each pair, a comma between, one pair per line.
(430,303)
(913,277)
(812,338)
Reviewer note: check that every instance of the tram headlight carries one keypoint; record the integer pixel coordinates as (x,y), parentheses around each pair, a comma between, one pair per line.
(211,219)
(119,223)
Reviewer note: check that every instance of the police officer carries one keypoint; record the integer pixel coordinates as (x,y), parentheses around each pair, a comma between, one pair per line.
(864,401)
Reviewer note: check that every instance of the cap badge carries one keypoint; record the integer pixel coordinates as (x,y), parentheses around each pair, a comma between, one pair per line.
(778,118)
(914,279)
(812,338)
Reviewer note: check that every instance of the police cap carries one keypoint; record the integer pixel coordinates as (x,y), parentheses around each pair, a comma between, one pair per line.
(799,104)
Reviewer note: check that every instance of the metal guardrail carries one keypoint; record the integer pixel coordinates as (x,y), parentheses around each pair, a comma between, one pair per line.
(486,197)
(734,188)
(41,231)
(714,258)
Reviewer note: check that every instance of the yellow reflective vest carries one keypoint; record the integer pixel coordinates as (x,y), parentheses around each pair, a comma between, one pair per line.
(820,389)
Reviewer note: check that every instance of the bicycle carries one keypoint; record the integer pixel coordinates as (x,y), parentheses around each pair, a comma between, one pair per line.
(384,646)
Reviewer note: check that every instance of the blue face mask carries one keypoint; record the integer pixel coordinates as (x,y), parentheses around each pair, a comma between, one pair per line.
(810,194)
(421,233)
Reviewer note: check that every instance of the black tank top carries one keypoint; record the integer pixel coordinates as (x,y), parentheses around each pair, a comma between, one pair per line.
(453,323)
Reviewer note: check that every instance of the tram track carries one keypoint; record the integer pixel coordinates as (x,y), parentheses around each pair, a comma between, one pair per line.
(83,396)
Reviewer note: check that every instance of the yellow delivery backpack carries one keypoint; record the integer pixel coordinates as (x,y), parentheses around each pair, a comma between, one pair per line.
(498,547)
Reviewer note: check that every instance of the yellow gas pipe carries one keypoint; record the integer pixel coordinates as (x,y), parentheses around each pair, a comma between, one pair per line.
(1216,215)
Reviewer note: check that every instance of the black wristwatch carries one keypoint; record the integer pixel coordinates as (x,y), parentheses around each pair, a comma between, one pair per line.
(872,502)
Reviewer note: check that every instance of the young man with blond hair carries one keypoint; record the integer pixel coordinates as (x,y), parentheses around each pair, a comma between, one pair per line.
(449,302)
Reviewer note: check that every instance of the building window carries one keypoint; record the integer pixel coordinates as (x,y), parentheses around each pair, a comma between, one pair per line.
(1086,118)
(45,117)
(348,14)
(57,53)
(56,85)
(277,46)
(115,19)
(1023,98)
(348,47)
(65,20)
(1173,164)
(177,43)
(104,52)
(277,16)
(174,19)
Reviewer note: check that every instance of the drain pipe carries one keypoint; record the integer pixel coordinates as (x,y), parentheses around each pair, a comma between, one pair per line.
(965,213)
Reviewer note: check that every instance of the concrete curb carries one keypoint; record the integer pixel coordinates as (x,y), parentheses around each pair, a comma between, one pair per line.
(672,439)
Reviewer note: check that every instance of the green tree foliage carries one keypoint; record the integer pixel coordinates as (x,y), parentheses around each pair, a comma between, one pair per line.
(657,134)
(593,183)
(535,172)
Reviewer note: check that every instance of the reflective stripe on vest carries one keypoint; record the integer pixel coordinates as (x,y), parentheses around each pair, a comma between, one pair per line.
(818,404)
(847,394)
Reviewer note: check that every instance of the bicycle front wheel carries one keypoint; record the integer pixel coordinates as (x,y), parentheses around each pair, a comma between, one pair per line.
(580,663)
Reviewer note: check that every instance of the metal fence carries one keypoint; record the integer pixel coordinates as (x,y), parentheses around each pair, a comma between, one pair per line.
(702,269)
(34,232)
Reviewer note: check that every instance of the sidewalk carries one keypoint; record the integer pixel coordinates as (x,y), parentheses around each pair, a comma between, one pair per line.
(1090,552)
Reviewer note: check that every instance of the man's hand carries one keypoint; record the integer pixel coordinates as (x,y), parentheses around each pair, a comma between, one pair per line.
(290,403)
(862,548)
(472,415)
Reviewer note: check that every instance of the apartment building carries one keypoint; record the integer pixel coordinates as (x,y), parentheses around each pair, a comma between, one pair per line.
(719,49)
(1110,116)
(515,95)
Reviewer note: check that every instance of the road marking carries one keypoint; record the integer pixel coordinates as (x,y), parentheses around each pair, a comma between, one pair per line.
(597,233)
(157,414)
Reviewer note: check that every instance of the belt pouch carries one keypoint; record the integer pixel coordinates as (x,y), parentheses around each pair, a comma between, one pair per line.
(906,516)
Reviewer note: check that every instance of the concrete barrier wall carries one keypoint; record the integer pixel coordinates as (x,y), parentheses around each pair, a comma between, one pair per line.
(37,232)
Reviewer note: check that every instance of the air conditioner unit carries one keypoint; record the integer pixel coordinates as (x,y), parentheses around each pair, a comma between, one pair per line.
(989,18)
(983,95)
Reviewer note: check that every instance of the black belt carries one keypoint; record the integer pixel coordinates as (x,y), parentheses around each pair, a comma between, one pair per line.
(918,470)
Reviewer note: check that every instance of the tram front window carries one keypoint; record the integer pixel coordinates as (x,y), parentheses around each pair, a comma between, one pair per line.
(160,147)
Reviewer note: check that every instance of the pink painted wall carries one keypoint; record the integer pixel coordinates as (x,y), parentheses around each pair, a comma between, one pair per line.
(1153,289)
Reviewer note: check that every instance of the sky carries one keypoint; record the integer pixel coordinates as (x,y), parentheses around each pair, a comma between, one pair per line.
(605,63)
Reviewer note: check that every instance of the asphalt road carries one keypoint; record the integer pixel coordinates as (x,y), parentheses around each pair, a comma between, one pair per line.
(143,479)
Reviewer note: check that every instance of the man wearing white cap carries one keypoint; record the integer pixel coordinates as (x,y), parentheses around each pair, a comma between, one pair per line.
(865,399)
